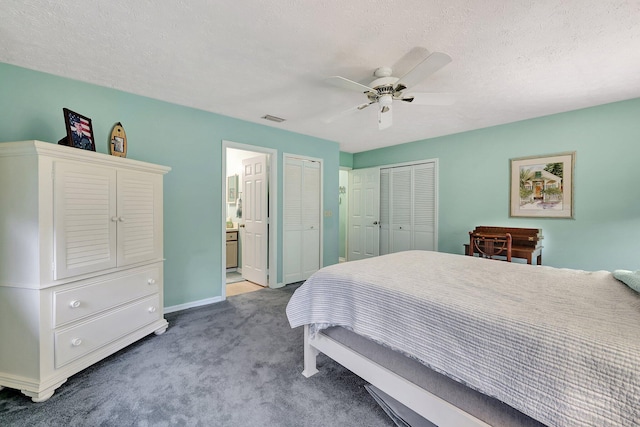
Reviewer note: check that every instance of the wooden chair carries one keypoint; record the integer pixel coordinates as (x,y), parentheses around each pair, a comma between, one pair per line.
(490,245)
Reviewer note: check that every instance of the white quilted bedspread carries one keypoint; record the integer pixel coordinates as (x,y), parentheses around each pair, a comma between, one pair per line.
(560,345)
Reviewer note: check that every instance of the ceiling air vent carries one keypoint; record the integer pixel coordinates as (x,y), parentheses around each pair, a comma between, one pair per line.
(273,118)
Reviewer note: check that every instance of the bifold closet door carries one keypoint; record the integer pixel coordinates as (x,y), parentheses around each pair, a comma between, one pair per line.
(301,248)
(408,208)
(424,207)
(401,209)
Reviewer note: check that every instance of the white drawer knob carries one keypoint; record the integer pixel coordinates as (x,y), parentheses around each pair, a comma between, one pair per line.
(121,219)
(114,218)
(76,342)
(152,309)
(74,304)
(151,281)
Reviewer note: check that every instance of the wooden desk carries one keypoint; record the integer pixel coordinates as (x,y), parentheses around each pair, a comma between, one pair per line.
(519,252)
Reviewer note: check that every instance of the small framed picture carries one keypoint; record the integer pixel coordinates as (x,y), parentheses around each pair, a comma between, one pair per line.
(79,131)
(118,144)
(542,186)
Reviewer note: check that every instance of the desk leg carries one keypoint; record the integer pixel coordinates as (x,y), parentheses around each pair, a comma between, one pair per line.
(540,259)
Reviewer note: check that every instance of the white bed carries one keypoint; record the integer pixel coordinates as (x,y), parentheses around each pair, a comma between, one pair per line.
(559,346)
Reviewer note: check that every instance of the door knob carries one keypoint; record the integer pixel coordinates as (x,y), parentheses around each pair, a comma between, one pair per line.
(375,222)
(241,225)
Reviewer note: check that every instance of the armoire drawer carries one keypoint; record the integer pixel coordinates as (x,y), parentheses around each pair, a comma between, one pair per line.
(77,341)
(76,303)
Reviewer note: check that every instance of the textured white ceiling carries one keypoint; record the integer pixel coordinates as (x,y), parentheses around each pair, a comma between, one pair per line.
(512,60)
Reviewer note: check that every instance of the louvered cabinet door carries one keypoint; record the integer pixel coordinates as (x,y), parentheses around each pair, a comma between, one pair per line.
(84,199)
(139,217)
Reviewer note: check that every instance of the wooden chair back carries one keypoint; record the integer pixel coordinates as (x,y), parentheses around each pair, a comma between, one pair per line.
(490,245)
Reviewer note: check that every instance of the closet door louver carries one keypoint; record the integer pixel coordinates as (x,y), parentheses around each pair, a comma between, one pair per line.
(384,211)
(401,209)
(311,219)
(424,203)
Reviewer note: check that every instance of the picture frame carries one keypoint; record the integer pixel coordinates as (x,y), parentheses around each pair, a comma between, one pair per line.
(232,189)
(79,131)
(542,186)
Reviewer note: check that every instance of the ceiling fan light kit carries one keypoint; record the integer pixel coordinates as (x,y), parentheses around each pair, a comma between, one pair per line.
(386,88)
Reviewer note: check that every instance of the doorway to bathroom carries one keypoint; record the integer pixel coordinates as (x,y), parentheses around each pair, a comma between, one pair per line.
(248,218)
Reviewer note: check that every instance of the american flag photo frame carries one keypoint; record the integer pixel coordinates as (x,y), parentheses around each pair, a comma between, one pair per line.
(79,131)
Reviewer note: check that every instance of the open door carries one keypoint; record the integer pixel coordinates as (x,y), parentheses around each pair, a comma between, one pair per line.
(364,211)
(256,219)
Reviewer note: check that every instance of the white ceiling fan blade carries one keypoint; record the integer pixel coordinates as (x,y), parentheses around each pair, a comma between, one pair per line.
(385,118)
(420,98)
(430,65)
(341,82)
(409,60)
(346,112)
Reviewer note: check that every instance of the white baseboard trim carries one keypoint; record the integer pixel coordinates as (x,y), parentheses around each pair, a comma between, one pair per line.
(192,304)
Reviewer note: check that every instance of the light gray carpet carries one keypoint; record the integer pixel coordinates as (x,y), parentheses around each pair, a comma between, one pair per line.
(234,363)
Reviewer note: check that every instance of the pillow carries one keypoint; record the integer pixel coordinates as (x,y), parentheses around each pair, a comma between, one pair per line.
(629,278)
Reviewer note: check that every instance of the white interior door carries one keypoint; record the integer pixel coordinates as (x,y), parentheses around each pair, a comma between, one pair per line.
(364,200)
(256,219)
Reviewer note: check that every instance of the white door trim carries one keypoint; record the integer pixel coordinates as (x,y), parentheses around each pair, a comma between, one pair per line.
(273,211)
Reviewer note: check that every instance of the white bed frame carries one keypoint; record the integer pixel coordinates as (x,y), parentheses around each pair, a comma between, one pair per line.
(428,405)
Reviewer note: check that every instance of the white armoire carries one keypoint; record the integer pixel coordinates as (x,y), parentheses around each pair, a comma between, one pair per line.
(301,218)
(81,260)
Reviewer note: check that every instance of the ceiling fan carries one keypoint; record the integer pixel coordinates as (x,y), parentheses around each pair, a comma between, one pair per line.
(386,88)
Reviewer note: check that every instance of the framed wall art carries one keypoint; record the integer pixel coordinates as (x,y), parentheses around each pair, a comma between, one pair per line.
(79,131)
(542,186)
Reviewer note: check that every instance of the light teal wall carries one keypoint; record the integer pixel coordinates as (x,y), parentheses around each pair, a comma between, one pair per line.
(474,182)
(187,140)
(346,159)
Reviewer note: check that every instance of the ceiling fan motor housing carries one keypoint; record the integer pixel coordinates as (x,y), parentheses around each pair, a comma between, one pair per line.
(382,86)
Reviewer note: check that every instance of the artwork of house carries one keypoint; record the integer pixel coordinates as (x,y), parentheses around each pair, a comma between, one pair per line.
(541,185)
